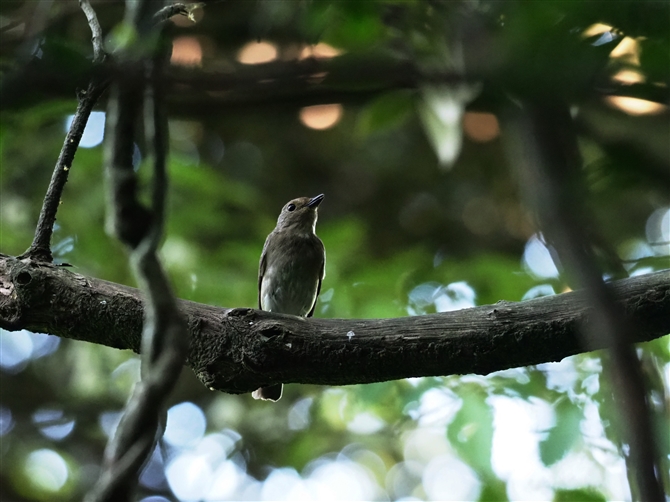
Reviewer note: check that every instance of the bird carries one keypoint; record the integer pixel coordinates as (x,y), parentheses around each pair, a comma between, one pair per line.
(291,268)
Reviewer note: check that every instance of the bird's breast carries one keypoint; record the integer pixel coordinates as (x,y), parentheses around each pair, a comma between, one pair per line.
(291,279)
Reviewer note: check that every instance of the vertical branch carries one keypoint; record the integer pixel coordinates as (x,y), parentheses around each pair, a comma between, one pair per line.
(40,249)
(544,148)
(164,339)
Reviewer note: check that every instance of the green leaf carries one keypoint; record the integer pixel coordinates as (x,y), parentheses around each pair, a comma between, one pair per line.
(493,489)
(471,431)
(563,435)
(385,113)
(123,36)
(581,495)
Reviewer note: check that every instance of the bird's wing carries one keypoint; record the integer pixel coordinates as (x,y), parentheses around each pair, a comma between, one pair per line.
(261,273)
(322,275)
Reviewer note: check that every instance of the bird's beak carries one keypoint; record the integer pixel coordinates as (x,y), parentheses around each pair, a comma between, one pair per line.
(315,201)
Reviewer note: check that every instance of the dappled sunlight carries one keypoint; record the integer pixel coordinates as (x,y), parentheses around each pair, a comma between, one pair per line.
(519,427)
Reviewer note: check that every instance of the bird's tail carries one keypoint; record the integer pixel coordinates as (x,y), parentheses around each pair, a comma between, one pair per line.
(271,393)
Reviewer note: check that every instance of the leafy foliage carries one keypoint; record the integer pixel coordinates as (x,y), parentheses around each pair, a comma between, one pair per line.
(402,237)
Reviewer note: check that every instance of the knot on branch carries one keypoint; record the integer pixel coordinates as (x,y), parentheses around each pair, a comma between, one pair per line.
(24,277)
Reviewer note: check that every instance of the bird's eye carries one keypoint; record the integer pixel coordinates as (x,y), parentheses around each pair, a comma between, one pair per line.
(291,207)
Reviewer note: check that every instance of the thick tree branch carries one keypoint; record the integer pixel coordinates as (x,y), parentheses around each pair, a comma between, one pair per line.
(238,350)
(347,79)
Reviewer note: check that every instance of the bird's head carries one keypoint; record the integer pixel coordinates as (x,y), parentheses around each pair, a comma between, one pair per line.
(300,214)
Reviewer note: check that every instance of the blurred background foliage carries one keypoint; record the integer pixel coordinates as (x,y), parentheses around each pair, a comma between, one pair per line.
(422,214)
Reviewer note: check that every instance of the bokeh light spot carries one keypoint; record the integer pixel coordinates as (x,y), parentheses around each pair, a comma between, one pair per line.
(299,415)
(257,53)
(635,106)
(94,131)
(657,230)
(15,350)
(537,259)
(6,420)
(109,421)
(53,424)
(321,50)
(597,29)
(627,50)
(539,291)
(46,470)
(481,127)
(186,51)
(365,423)
(189,475)
(456,296)
(186,425)
(321,117)
(448,478)
(628,77)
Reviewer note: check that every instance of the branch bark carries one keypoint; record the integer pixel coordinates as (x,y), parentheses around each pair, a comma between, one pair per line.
(238,350)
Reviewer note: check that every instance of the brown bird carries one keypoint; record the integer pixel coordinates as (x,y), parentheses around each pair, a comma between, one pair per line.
(292,266)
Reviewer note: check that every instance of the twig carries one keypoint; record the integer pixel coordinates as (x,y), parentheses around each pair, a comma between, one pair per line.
(545,150)
(11,25)
(96,31)
(176,9)
(40,249)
